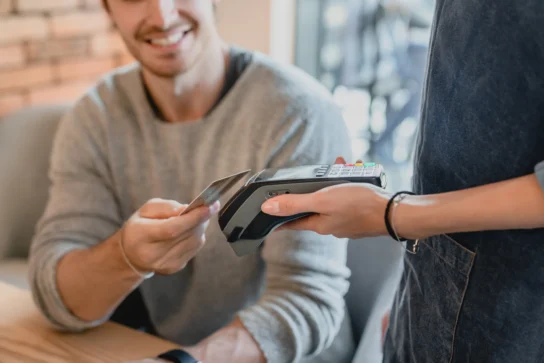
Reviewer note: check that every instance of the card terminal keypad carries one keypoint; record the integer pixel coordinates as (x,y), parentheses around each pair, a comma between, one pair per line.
(346,170)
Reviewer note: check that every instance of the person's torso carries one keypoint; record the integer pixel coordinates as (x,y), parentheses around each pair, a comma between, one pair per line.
(477,297)
(483,107)
(150,158)
(179,162)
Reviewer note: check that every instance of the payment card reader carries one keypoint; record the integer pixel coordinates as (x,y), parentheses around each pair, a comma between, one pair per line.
(246,226)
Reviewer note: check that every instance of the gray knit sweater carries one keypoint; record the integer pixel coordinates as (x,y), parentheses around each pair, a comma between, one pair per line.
(112,154)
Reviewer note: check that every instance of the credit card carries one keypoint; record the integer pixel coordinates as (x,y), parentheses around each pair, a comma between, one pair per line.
(215,191)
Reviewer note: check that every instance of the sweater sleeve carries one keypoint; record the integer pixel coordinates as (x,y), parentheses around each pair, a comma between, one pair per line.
(302,307)
(81,212)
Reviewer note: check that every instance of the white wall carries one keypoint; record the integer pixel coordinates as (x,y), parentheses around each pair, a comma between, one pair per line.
(246,23)
(263,25)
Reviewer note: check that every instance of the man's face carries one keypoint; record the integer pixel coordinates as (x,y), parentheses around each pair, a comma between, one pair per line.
(166,36)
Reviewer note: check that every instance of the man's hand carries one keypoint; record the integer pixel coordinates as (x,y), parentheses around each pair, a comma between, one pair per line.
(232,343)
(156,238)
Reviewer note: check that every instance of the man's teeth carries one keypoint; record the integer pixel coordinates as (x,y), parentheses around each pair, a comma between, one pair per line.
(186,28)
(172,39)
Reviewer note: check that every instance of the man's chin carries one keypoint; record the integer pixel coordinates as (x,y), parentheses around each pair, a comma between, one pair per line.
(163,71)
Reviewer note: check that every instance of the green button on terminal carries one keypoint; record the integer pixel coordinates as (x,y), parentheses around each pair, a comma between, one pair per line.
(370,164)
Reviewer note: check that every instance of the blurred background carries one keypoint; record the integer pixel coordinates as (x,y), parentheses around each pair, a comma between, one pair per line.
(370,54)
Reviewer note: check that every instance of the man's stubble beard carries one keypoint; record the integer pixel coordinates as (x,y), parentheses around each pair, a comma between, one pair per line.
(192,65)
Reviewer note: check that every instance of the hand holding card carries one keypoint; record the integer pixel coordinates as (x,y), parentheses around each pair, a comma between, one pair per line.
(215,191)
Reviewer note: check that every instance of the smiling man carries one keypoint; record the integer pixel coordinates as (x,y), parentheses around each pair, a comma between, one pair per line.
(148,138)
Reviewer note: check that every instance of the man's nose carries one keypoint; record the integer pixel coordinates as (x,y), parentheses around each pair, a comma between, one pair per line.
(163,13)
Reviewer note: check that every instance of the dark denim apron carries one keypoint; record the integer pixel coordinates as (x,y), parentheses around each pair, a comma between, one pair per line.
(477,297)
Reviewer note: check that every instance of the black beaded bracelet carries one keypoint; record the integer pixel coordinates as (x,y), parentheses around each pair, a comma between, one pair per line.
(388,224)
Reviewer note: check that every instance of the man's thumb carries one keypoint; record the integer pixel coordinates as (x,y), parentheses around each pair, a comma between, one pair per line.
(288,205)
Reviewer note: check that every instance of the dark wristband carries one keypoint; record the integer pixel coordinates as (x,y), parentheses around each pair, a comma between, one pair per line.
(178,356)
(388,221)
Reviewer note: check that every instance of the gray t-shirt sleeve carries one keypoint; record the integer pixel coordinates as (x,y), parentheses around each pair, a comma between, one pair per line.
(302,308)
(539,171)
(81,212)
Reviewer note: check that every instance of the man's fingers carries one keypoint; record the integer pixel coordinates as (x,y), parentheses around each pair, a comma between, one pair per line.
(183,251)
(189,221)
(287,205)
(187,235)
(160,208)
(174,227)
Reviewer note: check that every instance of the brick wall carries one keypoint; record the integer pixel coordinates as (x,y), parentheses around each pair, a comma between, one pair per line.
(52,50)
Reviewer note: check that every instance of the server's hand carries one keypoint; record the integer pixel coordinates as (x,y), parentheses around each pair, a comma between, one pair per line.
(346,210)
